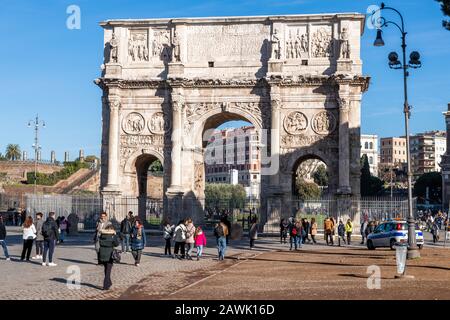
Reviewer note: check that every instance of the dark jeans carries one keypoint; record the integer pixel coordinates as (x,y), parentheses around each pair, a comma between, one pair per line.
(27,246)
(283,236)
(107,283)
(313,237)
(329,237)
(349,237)
(137,255)
(339,239)
(252,243)
(39,247)
(5,248)
(125,242)
(49,246)
(168,249)
(179,246)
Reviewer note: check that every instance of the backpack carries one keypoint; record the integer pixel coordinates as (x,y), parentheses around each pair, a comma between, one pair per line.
(46,228)
(218,231)
(294,231)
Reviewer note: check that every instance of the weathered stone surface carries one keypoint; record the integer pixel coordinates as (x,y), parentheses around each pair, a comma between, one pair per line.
(278,72)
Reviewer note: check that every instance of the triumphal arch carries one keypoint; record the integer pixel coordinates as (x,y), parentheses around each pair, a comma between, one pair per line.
(166,82)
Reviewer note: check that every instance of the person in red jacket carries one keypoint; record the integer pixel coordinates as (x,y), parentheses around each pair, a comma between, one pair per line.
(200,241)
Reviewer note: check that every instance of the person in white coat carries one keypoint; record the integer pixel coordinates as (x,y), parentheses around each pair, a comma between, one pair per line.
(29,234)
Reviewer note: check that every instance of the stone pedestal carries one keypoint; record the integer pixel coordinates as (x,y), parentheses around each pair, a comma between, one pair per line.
(344,66)
(113,70)
(275,67)
(175,205)
(176,69)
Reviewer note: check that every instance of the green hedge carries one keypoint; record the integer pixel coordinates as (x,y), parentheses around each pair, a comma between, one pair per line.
(45,179)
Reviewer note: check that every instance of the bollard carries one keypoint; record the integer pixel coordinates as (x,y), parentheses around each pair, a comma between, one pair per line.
(401,252)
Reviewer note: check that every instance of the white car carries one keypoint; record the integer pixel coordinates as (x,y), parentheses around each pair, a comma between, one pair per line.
(388,234)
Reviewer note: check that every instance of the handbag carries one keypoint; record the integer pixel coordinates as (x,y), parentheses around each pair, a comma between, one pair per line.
(115,256)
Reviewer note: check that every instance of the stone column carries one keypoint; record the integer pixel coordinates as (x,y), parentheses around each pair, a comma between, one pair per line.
(113,145)
(344,146)
(275,139)
(177,108)
(445,164)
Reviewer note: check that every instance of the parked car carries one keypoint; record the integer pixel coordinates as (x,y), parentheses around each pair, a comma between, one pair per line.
(389,233)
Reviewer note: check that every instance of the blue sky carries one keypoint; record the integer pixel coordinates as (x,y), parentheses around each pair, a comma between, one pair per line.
(48,69)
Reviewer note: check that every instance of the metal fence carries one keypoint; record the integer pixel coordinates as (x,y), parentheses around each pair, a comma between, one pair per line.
(88,209)
(357,210)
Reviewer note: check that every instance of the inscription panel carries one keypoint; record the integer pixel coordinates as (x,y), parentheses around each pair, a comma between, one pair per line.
(227,42)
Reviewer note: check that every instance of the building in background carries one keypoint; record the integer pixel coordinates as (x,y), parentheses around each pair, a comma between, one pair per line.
(427,150)
(393,151)
(232,156)
(369,147)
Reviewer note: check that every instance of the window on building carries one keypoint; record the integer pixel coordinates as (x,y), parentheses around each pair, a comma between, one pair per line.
(370,160)
(366,145)
(371,145)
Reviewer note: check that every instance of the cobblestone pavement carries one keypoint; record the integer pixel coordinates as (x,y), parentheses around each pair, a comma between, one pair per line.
(157,277)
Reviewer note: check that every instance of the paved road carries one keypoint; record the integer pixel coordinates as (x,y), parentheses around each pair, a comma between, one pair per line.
(157,277)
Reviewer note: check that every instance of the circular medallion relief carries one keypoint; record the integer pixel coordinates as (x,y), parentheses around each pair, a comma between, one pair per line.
(295,123)
(157,125)
(133,123)
(324,123)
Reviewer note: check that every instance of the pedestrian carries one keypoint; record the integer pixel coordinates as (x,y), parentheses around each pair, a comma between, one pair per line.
(125,230)
(107,242)
(363,230)
(328,228)
(333,227)
(284,229)
(370,228)
(51,235)
(253,233)
(221,232)
(138,241)
(227,222)
(341,232)
(305,230)
(39,243)
(435,232)
(168,230)
(180,239)
(295,232)
(3,239)
(200,241)
(313,230)
(28,235)
(190,232)
(349,230)
(62,229)
(102,223)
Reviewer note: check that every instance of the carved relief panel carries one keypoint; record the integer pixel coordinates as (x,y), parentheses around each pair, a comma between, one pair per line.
(138,50)
(322,43)
(161,45)
(297,42)
(133,123)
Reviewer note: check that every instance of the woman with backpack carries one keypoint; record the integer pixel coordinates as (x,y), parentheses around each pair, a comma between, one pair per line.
(200,241)
(295,233)
(168,234)
(107,242)
(180,239)
(28,235)
(190,232)
(138,241)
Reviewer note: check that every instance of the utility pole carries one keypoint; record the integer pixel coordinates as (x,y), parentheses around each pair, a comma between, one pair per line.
(36,145)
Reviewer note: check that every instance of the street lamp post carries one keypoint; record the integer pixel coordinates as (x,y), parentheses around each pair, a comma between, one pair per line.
(394,63)
(36,123)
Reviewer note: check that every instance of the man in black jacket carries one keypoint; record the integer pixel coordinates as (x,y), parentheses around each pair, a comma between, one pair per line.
(51,235)
(125,230)
(3,238)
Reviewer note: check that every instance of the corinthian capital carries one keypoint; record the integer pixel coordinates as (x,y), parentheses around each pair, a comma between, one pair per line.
(177,103)
(114,103)
(344,103)
(275,101)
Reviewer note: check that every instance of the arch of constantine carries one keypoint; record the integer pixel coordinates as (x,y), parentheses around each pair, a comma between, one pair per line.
(296,78)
